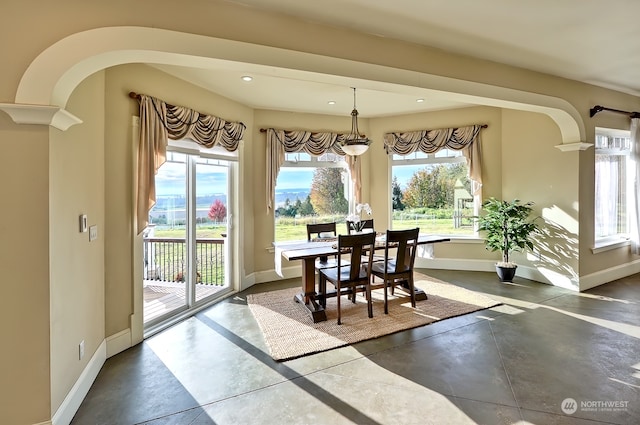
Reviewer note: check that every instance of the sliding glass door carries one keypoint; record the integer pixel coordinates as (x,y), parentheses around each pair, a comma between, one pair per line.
(187,243)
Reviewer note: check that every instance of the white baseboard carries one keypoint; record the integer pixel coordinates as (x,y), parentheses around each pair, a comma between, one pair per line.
(72,401)
(455,264)
(607,275)
(119,342)
(538,274)
(247,281)
(271,275)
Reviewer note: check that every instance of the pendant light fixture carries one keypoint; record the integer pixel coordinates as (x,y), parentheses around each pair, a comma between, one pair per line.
(355,143)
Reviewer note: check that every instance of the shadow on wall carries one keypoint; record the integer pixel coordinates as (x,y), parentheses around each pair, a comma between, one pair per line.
(557,255)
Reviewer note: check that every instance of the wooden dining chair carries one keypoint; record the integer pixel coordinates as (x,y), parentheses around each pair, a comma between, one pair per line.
(320,231)
(356,275)
(368,224)
(397,268)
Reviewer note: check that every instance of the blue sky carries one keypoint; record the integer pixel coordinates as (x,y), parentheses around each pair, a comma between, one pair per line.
(297,178)
(210,179)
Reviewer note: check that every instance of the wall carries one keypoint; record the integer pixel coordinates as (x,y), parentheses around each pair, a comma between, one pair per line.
(76,167)
(533,169)
(24,261)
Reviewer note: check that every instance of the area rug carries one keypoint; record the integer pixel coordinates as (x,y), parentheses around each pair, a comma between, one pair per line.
(289,331)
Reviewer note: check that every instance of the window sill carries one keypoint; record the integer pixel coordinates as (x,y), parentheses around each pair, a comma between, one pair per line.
(452,239)
(610,244)
(464,239)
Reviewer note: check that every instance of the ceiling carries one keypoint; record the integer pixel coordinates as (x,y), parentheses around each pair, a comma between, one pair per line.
(593,41)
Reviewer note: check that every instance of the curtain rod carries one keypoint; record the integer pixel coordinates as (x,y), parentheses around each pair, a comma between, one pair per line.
(264,130)
(599,108)
(134,95)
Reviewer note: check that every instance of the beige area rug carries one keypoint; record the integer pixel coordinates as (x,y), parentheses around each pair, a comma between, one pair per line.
(289,331)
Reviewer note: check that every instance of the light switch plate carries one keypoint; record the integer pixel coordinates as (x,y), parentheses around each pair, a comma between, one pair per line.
(93,232)
(83,223)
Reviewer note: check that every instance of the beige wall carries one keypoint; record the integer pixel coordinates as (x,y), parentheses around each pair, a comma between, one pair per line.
(32,332)
(76,186)
(24,261)
(533,169)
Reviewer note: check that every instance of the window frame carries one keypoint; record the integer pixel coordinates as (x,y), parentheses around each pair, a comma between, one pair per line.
(293,160)
(610,133)
(419,158)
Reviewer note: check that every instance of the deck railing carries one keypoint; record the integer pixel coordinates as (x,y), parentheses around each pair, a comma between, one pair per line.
(165,260)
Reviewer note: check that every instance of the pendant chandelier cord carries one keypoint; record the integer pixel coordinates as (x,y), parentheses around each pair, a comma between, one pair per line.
(354,118)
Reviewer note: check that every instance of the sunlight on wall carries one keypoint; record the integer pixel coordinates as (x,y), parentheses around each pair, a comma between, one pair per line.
(561,218)
(558,279)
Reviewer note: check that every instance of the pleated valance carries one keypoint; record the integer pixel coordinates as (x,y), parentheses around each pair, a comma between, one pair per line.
(159,122)
(280,142)
(465,139)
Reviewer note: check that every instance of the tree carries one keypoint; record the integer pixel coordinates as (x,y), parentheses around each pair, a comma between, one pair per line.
(306,209)
(434,187)
(396,195)
(327,191)
(218,211)
(416,194)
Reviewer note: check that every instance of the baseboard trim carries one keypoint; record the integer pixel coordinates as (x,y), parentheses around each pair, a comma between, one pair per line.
(119,342)
(271,275)
(536,273)
(607,275)
(455,264)
(72,401)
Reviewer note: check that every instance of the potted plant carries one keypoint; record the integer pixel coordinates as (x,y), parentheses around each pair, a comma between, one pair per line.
(508,228)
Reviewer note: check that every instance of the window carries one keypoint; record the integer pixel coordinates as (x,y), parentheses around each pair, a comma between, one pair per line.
(310,189)
(612,152)
(433,192)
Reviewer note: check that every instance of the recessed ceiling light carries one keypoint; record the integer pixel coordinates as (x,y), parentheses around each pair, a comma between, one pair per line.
(247,78)
(420,100)
(331,102)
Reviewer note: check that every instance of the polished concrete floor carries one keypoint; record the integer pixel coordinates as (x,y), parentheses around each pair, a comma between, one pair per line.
(520,363)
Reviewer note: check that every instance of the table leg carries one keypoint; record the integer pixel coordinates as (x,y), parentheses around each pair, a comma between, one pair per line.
(308,295)
(418,293)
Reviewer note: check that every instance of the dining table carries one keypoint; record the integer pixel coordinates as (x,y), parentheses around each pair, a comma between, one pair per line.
(308,251)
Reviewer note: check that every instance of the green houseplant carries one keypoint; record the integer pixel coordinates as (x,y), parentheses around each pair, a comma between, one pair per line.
(508,228)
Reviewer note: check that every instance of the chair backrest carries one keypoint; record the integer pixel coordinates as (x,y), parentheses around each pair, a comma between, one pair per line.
(368,224)
(317,230)
(406,244)
(359,246)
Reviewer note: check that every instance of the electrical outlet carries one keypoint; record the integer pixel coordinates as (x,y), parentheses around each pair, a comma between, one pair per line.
(81,350)
(93,232)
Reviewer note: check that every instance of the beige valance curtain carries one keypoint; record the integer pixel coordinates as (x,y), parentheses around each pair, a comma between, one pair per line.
(159,122)
(465,139)
(280,142)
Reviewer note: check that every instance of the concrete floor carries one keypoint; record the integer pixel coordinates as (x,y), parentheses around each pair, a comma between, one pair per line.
(513,364)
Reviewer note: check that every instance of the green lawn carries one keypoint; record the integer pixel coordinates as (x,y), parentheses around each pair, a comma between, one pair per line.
(296,229)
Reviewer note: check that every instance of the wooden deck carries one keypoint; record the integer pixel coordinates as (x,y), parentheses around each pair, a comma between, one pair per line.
(163,297)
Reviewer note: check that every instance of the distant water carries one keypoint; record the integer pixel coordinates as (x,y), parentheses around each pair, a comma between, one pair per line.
(291,194)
